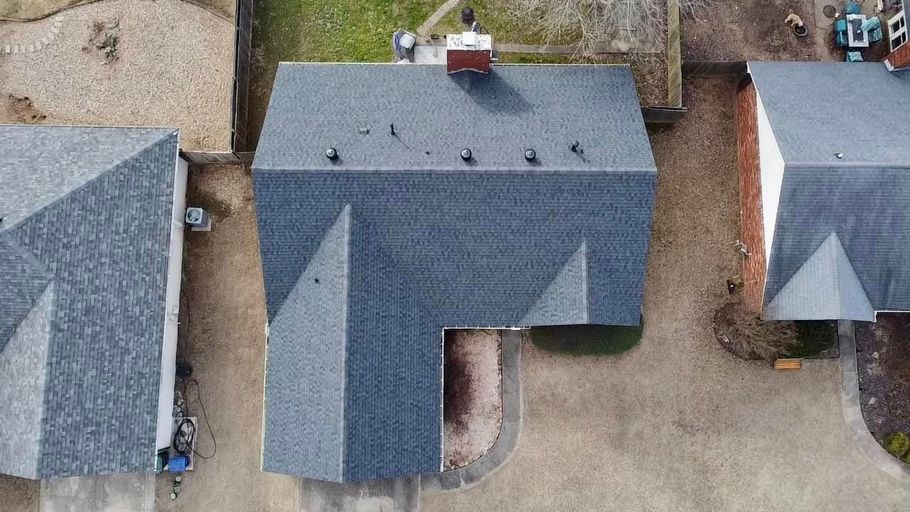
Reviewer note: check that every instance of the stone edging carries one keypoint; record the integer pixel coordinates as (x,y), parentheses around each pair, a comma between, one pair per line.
(505,444)
(45,41)
(853,413)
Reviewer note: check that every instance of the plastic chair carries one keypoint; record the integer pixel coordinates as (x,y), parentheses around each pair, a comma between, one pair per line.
(852,8)
(873,27)
(854,57)
(840,32)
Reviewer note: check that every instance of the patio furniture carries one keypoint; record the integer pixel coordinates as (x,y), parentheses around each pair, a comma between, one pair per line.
(856,37)
(854,57)
(873,28)
(840,32)
(853,8)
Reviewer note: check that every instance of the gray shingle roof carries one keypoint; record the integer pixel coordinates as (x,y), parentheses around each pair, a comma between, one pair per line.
(818,109)
(815,111)
(84,250)
(367,259)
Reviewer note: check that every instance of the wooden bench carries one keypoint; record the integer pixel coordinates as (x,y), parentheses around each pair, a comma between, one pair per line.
(788,364)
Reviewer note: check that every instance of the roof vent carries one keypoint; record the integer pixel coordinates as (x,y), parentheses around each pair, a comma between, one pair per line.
(331,154)
(530,155)
(465,154)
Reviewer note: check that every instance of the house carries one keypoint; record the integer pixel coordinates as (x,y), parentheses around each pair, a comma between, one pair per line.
(395,201)
(824,163)
(90,259)
(899,58)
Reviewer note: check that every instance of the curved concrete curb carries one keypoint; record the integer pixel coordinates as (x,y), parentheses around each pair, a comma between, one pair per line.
(500,452)
(39,43)
(853,413)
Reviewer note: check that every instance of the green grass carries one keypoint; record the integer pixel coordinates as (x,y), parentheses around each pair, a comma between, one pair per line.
(335,31)
(813,338)
(499,19)
(583,340)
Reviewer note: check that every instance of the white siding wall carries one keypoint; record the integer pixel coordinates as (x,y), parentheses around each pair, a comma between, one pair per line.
(172,305)
(772,175)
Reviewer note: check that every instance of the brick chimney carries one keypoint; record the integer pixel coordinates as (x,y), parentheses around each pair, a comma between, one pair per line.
(899,58)
(468,51)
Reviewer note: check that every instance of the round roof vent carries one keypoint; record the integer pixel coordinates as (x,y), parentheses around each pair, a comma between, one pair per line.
(331,154)
(465,154)
(530,155)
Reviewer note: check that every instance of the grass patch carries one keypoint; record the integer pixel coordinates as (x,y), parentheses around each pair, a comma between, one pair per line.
(586,340)
(498,18)
(336,31)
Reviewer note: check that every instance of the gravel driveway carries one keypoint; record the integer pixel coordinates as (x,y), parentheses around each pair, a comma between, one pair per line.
(677,423)
(175,67)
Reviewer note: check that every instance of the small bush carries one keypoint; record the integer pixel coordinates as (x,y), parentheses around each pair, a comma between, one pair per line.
(898,444)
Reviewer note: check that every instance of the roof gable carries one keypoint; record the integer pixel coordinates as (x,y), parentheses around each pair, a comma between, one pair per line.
(824,288)
(101,239)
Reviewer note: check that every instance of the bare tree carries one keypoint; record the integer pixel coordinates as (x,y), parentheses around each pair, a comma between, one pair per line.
(602,25)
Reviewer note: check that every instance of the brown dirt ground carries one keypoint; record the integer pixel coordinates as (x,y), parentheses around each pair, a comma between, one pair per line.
(35,9)
(732,30)
(20,109)
(18,495)
(225,343)
(472,396)
(883,360)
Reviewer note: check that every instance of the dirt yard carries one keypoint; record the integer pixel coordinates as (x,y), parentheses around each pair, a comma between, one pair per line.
(883,361)
(225,343)
(678,423)
(26,10)
(731,30)
(18,495)
(472,394)
(173,66)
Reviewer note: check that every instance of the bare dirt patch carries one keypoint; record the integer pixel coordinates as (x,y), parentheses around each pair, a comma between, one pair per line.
(883,361)
(18,495)
(733,30)
(472,394)
(223,337)
(20,109)
(25,10)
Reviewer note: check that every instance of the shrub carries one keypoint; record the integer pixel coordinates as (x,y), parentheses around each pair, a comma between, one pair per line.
(898,444)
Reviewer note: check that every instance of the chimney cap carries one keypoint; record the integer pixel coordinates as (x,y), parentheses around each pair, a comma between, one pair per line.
(331,154)
(465,154)
(530,155)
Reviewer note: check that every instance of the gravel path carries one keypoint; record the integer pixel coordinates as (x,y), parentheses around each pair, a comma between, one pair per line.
(175,68)
(678,423)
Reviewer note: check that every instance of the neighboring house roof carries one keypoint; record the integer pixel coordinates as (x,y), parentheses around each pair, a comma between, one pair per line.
(838,217)
(366,259)
(83,259)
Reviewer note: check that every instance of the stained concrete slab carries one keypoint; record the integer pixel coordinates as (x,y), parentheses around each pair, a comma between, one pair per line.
(392,495)
(130,492)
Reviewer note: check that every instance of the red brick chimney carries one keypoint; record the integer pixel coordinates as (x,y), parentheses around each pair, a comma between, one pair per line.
(468,51)
(899,58)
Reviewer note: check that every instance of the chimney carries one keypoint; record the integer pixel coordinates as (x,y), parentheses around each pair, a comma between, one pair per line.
(468,51)
(899,59)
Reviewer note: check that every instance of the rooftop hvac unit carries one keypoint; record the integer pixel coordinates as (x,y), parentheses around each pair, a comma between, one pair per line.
(198,219)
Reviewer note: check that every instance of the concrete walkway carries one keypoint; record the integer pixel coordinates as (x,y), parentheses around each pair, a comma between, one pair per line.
(678,423)
(500,452)
(853,412)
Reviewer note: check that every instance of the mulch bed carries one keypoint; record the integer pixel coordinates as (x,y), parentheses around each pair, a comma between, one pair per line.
(883,362)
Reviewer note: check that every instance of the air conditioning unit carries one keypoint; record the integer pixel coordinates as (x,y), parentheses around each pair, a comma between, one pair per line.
(198,219)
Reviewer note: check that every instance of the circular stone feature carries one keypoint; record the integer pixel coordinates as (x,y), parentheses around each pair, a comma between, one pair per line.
(829,11)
